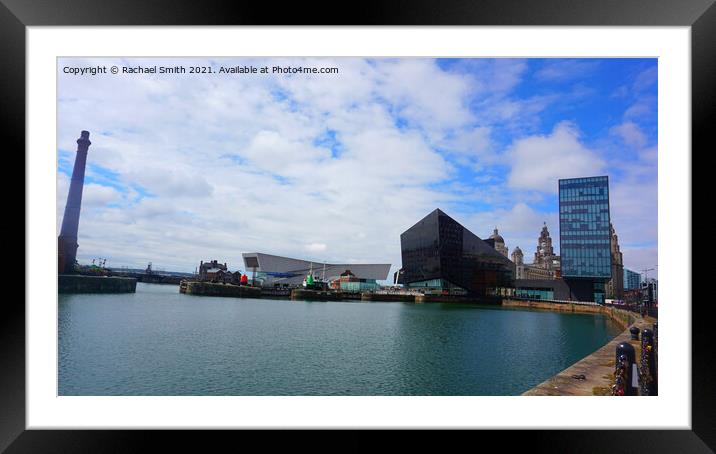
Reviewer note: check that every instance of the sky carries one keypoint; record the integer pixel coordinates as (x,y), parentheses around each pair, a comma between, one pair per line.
(334,167)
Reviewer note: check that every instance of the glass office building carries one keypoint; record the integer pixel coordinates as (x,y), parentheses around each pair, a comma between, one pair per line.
(440,254)
(584,237)
(632,280)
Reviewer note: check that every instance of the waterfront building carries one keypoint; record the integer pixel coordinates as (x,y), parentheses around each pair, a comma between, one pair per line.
(542,289)
(615,286)
(632,280)
(650,290)
(213,270)
(67,241)
(439,254)
(518,258)
(585,237)
(349,282)
(498,243)
(272,270)
(545,257)
(525,271)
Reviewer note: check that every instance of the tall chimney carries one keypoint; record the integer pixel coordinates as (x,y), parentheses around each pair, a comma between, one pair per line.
(67,241)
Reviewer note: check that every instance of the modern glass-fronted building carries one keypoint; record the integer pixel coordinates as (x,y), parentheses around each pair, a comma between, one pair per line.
(272,270)
(584,236)
(440,254)
(632,280)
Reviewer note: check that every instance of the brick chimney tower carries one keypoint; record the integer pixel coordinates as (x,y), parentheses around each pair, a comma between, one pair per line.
(67,241)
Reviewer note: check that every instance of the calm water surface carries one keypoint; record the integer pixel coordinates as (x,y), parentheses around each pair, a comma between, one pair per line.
(160,342)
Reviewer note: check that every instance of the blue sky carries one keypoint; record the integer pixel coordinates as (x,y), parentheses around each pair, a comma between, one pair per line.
(333,167)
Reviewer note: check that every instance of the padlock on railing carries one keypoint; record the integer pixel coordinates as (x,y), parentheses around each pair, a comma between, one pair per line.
(647,364)
(625,373)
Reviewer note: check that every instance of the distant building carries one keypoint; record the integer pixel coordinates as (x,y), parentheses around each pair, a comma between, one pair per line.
(650,290)
(439,254)
(585,237)
(632,280)
(212,271)
(498,243)
(272,270)
(543,289)
(545,257)
(525,271)
(614,288)
(518,258)
(546,263)
(349,282)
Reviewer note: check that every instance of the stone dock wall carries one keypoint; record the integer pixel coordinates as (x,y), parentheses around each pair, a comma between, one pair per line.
(388,297)
(75,283)
(622,317)
(215,289)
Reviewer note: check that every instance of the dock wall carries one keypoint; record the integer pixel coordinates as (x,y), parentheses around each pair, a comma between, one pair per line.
(622,317)
(215,289)
(75,283)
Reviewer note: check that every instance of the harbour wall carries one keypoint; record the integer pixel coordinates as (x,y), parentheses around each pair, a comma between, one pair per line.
(622,317)
(75,283)
(215,289)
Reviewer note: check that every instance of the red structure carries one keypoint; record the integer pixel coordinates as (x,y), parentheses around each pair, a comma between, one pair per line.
(67,241)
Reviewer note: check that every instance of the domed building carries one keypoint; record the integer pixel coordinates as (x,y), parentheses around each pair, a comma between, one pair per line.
(499,243)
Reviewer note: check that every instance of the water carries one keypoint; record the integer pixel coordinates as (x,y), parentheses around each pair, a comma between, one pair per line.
(160,342)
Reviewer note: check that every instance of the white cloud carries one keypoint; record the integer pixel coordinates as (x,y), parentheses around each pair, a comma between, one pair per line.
(316,247)
(630,133)
(560,70)
(539,161)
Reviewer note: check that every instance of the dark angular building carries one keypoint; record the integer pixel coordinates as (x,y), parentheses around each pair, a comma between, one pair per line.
(585,236)
(440,254)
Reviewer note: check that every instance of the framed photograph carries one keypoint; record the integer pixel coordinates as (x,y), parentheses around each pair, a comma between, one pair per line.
(434,217)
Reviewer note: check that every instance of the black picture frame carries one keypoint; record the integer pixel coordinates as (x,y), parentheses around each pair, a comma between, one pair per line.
(700,15)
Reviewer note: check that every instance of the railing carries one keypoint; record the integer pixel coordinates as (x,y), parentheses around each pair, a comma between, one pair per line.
(632,378)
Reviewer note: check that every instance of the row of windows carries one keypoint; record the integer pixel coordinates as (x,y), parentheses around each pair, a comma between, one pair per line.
(584,241)
(566,195)
(589,217)
(585,270)
(588,252)
(598,264)
(534,293)
(584,208)
(585,254)
(587,180)
(575,249)
(568,230)
(591,228)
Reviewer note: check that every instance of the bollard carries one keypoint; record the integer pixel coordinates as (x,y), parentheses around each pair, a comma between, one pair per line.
(634,333)
(647,365)
(625,372)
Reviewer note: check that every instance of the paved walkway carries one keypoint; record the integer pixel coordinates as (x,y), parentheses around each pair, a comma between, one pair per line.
(597,368)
